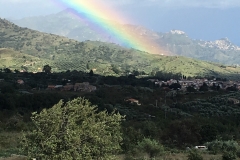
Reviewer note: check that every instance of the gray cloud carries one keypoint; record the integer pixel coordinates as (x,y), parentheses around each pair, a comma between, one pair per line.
(160,3)
(22,8)
(179,3)
(205,3)
(33,3)
(14,9)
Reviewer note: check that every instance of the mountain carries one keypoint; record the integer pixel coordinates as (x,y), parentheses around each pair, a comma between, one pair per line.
(174,42)
(221,51)
(66,24)
(27,49)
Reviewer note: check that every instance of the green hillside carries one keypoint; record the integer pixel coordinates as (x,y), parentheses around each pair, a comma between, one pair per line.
(175,41)
(220,51)
(35,49)
(20,61)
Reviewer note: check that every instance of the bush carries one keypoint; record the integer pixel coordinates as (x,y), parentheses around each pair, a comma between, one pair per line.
(73,130)
(150,146)
(229,156)
(219,146)
(194,155)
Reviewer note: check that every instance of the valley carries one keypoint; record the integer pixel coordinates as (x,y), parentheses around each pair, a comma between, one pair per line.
(151,106)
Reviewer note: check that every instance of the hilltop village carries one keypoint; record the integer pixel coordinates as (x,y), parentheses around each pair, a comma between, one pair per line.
(161,92)
(84,82)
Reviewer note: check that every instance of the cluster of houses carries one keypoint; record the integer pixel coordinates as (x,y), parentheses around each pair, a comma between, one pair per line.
(83,87)
(197,83)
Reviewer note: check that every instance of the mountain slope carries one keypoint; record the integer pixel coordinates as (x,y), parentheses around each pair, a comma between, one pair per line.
(20,61)
(104,58)
(174,42)
(221,51)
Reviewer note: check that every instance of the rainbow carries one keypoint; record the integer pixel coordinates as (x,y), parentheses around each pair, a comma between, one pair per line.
(101,19)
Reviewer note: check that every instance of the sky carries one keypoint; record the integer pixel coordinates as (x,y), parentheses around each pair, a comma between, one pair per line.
(200,19)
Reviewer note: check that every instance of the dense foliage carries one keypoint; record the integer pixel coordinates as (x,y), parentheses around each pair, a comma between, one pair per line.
(74,130)
(172,118)
(194,155)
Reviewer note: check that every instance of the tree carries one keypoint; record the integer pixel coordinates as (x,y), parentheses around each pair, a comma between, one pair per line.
(7,88)
(74,130)
(16,71)
(87,66)
(175,86)
(214,87)
(115,69)
(47,69)
(208,133)
(136,73)
(151,147)
(91,73)
(232,88)
(194,155)
(7,70)
(204,87)
(191,89)
(183,133)
(229,156)
(146,146)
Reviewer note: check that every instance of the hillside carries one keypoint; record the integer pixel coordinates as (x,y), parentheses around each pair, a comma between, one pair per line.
(175,42)
(38,49)
(221,51)
(20,61)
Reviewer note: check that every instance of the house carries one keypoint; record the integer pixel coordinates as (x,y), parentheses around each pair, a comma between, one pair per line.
(20,81)
(153,80)
(80,86)
(233,101)
(166,89)
(68,87)
(132,101)
(92,88)
(51,87)
(58,86)
(85,87)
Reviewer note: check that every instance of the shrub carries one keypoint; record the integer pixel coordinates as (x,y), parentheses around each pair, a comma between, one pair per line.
(219,146)
(73,130)
(229,156)
(194,155)
(150,146)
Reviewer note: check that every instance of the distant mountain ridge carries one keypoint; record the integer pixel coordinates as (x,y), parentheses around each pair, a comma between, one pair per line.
(223,44)
(26,49)
(175,42)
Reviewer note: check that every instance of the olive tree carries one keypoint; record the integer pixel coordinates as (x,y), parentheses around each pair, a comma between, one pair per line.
(146,146)
(74,130)
(47,69)
(150,146)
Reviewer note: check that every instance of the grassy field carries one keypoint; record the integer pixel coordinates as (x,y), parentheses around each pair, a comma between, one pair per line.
(9,142)
(179,156)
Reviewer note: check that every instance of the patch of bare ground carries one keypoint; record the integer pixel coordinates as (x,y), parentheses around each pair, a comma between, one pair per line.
(15,157)
(177,156)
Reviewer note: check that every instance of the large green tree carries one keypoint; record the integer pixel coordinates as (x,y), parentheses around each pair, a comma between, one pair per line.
(74,131)
(47,69)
